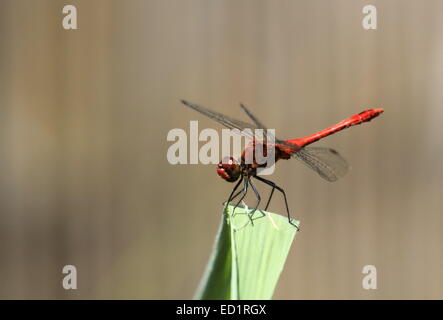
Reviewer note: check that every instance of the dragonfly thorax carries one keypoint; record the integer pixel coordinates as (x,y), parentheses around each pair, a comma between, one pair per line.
(229,169)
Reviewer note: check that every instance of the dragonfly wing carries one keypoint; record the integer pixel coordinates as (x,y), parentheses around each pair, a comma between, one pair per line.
(260,125)
(328,163)
(220,118)
(238,124)
(252,117)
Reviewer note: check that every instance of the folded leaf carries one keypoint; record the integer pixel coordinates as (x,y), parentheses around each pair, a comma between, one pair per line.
(247,259)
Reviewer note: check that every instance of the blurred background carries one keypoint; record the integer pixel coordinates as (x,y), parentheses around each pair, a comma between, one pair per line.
(84,116)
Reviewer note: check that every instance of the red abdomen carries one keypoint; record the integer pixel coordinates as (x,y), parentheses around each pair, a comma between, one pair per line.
(361,117)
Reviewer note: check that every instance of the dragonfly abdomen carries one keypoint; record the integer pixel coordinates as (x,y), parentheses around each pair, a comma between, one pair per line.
(356,119)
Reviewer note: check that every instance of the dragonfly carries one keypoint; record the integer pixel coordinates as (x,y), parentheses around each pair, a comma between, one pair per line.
(327,162)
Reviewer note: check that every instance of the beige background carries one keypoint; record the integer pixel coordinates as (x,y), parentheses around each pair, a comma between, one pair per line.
(85,114)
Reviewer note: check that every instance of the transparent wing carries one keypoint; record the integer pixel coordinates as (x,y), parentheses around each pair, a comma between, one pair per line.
(289,147)
(220,118)
(232,123)
(252,117)
(328,163)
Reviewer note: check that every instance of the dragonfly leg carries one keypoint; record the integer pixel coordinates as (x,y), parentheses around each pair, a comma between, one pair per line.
(270,197)
(274,186)
(250,215)
(232,196)
(270,183)
(244,191)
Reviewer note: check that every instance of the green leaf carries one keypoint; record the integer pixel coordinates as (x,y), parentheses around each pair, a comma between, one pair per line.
(247,259)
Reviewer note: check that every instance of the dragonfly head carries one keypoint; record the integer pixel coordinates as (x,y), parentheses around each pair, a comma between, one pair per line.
(229,169)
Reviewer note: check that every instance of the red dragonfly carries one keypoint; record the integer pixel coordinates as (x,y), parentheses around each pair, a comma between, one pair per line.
(327,162)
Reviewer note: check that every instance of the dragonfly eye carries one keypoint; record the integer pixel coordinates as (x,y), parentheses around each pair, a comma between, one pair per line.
(229,169)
